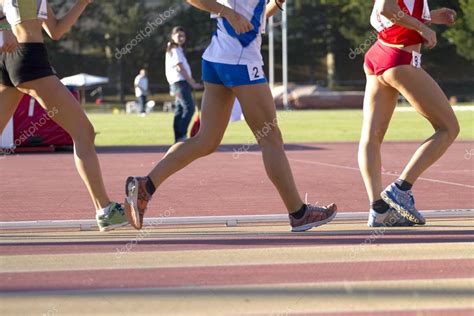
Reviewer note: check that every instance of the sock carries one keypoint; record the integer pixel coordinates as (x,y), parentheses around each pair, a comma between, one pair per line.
(380,206)
(103,211)
(150,187)
(403,185)
(300,213)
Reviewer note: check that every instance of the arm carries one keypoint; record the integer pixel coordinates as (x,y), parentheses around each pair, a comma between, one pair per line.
(180,68)
(273,6)
(56,28)
(443,16)
(238,22)
(391,10)
(8,42)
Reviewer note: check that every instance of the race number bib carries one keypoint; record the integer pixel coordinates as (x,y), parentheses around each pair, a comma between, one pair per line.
(416,59)
(255,72)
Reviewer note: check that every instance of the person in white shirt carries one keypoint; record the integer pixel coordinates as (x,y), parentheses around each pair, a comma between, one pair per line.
(232,67)
(141,90)
(180,78)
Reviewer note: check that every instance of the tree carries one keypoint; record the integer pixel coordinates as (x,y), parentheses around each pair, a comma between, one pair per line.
(462,34)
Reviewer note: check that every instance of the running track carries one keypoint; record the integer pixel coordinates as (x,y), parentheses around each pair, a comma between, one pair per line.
(339,269)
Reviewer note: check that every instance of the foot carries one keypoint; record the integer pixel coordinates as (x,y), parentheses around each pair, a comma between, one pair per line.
(114,217)
(315,216)
(136,201)
(403,202)
(391,218)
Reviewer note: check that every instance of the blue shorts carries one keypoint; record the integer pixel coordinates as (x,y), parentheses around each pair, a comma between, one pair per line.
(232,75)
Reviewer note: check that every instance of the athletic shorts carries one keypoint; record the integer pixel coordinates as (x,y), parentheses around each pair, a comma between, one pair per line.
(28,62)
(381,58)
(232,75)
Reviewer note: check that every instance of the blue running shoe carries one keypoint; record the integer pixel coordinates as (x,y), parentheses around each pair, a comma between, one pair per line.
(391,218)
(404,203)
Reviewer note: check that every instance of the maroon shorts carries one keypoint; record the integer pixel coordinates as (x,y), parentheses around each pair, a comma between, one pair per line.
(381,58)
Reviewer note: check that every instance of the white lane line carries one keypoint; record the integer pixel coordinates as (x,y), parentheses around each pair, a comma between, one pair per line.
(227,220)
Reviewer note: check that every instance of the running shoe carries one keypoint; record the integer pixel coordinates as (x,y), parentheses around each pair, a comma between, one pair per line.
(112,218)
(403,202)
(391,218)
(315,216)
(136,201)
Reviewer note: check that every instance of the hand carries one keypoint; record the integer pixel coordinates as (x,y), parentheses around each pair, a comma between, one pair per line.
(85,2)
(443,16)
(238,22)
(10,43)
(430,36)
(197,86)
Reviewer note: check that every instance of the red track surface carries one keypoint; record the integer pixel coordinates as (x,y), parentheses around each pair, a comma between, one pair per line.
(46,186)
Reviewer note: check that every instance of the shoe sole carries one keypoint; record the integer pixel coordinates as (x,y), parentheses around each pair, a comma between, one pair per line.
(130,201)
(112,227)
(306,227)
(400,210)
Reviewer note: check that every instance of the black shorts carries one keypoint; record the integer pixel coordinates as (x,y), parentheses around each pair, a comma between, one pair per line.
(28,62)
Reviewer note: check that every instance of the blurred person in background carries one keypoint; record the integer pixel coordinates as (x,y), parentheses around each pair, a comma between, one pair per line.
(141,91)
(180,78)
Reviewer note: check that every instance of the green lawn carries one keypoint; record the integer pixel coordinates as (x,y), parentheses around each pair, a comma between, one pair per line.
(297,126)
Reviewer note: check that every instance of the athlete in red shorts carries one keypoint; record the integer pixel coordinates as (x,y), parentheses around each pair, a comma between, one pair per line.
(393,66)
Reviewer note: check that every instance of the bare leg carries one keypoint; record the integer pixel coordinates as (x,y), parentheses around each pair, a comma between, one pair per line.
(379,104)
(70,116)
(216,108)
(428,99)
(9,99)
(260,113)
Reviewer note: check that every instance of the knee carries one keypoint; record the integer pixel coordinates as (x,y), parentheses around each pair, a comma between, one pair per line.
(86,135)
(207,145)
(372,139)
(271,138)
(450,129)
(454,130)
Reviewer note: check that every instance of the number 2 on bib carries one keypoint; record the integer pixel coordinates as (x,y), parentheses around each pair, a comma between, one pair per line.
(255,72)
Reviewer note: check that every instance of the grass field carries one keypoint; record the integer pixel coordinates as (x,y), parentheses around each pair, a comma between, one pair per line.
(297,127)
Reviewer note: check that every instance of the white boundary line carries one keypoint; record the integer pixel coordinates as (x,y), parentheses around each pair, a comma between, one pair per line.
(383,173)
(229,221)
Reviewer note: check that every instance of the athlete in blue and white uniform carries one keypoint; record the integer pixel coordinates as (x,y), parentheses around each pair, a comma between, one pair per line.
(233,68)
(235,59)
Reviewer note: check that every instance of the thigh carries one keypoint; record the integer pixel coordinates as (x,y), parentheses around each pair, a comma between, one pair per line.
(379,103)
(66,110)
(216,107)
(258,106)
(423,93)
(9,99)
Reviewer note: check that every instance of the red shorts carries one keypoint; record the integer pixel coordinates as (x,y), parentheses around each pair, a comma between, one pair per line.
(381,58)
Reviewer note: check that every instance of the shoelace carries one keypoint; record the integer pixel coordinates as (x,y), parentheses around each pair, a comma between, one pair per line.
(314,206)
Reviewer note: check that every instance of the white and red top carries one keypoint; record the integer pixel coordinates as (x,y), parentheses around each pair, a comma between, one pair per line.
(394,34)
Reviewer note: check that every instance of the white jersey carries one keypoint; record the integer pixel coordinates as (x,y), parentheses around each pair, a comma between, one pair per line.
(229,48)
(173,58)
(18,11)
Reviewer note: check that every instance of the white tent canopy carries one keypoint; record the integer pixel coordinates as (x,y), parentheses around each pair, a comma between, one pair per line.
(84,80)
